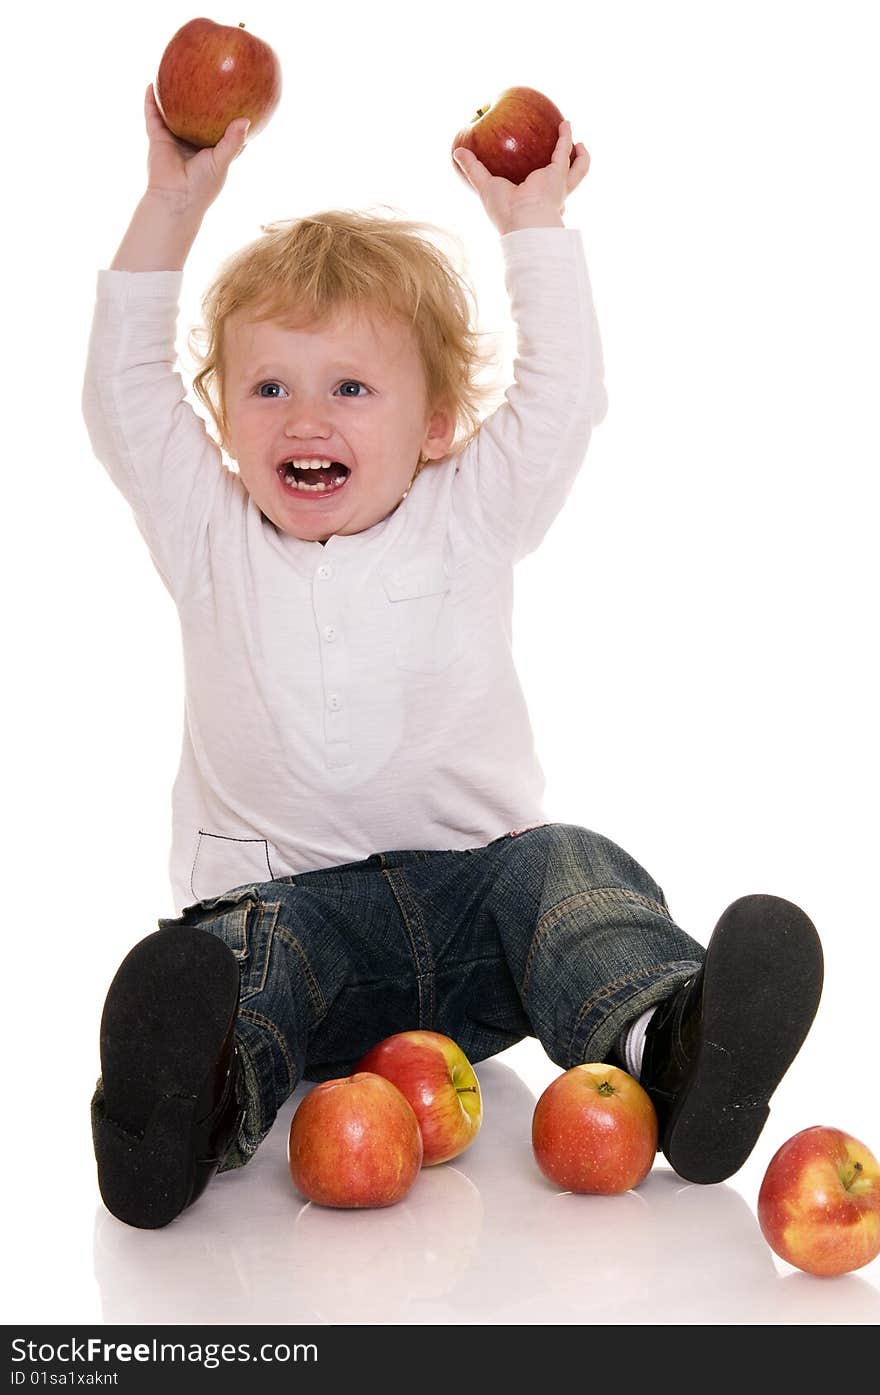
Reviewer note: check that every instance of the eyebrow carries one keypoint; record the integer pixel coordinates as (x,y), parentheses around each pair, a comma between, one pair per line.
(337,366)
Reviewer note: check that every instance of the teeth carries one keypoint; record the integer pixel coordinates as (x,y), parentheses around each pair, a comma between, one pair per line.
(308,464)
(319,487)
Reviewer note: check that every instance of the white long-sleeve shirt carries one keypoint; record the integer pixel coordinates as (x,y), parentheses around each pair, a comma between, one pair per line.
(359,696)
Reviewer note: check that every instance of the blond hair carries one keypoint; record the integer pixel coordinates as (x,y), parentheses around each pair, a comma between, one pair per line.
(301,271)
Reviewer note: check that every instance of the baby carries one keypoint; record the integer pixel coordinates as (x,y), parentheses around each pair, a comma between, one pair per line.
(359,843)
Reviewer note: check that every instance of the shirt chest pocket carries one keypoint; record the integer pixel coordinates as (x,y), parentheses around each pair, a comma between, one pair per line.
(419,596)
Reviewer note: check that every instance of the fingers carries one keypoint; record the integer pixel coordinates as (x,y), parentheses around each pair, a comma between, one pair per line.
(579,167)
(157,130)
(152,114)
(474,170)
(233,140)
(574,169)
(562,149)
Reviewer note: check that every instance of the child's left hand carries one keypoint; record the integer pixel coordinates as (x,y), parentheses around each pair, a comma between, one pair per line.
(539,201)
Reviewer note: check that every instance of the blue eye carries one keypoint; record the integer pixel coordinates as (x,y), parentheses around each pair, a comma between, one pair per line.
(277,386)
(351,382)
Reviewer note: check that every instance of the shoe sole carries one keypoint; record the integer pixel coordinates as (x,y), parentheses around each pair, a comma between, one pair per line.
(168,1016)
(762,982)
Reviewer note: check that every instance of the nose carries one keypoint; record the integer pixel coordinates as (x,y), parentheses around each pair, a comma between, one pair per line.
(306,419)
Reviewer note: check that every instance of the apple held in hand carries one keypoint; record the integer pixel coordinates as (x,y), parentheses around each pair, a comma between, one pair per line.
(439,1082)
(819,1203)
(513,135)
(354,1142)
(594,1130)
(212,73)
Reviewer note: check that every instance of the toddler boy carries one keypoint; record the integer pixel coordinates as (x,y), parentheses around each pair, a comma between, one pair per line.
(345,604)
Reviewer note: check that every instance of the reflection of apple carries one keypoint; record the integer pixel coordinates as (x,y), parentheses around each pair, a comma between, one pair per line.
(514,135)
(448,1213)
(439,1081)
(352,1266)
(594,1129)
(819,1203)
(374,1266)
(354,1141)
(211,73)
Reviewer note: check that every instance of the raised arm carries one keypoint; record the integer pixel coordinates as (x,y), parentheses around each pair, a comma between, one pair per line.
(182,183)
(516,474)
(153,445)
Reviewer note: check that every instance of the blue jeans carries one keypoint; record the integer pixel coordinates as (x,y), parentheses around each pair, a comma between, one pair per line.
(553,932)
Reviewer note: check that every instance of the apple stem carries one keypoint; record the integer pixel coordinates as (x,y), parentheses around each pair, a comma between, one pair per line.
(467,1089)
(852,1176)
(481,111)
(241,24)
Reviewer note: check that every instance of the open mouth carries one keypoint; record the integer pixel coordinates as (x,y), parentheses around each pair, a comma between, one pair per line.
(313,477)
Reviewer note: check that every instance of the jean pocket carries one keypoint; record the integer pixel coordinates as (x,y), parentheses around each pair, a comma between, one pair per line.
(422,620)
(246,925)
(222,861)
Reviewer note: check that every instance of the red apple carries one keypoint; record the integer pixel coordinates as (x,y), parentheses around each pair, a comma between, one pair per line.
(819,1203)
(354,1142)
(439,1082)
(513,135)
(594,1129)
(210,74)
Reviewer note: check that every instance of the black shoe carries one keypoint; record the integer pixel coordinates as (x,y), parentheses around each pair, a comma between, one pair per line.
(168,1107)
(717,1049)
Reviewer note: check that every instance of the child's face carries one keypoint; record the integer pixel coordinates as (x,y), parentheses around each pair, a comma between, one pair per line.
(351,392)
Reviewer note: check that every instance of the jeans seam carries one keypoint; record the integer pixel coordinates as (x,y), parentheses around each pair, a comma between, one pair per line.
(425,977)
(258,1019)
(266,930)
(313,988)
(550,918)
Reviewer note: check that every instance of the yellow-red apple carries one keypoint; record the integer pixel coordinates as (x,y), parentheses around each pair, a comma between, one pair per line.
(819,1203)
(212,73)
(514,135)
(354,1142)
(594,1129)
(440,1084)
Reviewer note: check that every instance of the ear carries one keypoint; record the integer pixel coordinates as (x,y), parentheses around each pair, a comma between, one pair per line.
(439,435)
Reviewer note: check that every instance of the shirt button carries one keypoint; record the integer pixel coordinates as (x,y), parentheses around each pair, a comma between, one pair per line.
(324,572)
(334,702)
(329,634)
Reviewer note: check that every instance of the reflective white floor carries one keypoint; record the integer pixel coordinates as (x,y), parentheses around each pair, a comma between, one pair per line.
(483,1239)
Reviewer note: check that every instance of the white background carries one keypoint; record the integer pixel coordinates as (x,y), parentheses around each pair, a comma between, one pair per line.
(697,635)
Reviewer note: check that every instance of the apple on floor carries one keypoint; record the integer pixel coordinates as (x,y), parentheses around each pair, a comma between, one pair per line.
(354,1142)
(819,1203)
(440,1084)
(594,1130)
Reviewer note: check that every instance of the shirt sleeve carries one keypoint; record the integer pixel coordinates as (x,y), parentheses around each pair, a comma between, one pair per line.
(516,474)
(155,448)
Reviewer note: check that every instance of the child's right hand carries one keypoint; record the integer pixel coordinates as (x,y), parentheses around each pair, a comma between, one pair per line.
(191,176)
